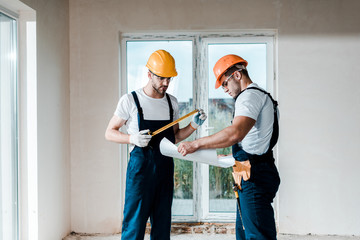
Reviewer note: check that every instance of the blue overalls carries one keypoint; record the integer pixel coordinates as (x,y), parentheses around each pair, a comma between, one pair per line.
(257,215)
(149,183)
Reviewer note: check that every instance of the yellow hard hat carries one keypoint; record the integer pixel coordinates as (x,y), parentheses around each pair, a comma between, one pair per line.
(162,64)
(225,63)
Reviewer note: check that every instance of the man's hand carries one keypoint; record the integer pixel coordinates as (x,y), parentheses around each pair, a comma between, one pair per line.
(187,147)
(198,119)
(140,139)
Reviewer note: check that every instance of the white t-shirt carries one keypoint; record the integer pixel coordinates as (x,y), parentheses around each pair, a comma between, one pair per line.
(255,104)
(153,109)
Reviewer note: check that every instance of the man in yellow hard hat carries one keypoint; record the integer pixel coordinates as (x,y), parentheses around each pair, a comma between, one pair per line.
(252,135)
(149,178)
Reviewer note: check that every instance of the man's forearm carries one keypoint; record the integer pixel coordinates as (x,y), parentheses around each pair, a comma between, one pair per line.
(183,133)
(117,136)
(225,138)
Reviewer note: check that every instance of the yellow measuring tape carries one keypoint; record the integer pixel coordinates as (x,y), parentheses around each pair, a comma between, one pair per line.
(173,123)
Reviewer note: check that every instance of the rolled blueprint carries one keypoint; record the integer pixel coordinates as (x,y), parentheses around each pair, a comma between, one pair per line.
(207,156)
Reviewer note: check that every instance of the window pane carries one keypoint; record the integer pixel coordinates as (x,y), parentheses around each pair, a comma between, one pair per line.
(8,129)
(138,52)
(221,108)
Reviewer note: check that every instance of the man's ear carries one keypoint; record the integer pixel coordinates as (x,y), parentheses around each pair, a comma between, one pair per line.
(238,75)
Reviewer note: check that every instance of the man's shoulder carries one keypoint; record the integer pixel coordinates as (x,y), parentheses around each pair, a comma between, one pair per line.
(172,97)
(127,99)
(253,91)
(129,96)
(249,94)
(126,96)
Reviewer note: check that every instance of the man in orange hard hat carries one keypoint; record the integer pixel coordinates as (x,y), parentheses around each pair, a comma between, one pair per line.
(149,178)
(252,135)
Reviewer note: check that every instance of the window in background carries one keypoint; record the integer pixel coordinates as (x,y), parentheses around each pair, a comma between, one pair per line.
(202,192)
(8,129)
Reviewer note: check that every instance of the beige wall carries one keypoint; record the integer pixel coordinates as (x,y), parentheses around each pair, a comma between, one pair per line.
(53,103)
(318,92)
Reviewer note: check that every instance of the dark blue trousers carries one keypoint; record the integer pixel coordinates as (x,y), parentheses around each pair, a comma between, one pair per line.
(256,197)
(149,183)
(149,193)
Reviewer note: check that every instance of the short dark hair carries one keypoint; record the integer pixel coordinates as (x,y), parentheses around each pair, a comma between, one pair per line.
(237,67)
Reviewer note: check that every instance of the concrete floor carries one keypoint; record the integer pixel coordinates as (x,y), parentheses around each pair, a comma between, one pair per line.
(214,237)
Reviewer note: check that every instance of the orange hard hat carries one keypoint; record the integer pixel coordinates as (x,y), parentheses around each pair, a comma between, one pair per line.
(224,63)
(162,64)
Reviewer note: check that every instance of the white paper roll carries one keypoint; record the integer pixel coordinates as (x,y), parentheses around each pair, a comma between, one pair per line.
(207,156)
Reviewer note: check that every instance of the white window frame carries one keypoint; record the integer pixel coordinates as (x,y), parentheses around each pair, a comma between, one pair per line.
(123,90)
(200,95)
(26,103)
(267,38)
(15,133)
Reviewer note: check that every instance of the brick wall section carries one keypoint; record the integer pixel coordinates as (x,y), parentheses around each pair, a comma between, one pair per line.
(200,228)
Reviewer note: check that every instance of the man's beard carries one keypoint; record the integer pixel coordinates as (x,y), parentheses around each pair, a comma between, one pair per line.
(159,89)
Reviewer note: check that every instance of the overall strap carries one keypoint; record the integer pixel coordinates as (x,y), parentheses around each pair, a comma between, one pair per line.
(275,103)
(170,107)
(137,103)
(275,134)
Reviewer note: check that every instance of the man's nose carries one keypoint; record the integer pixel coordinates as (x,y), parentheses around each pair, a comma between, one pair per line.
(166,82)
